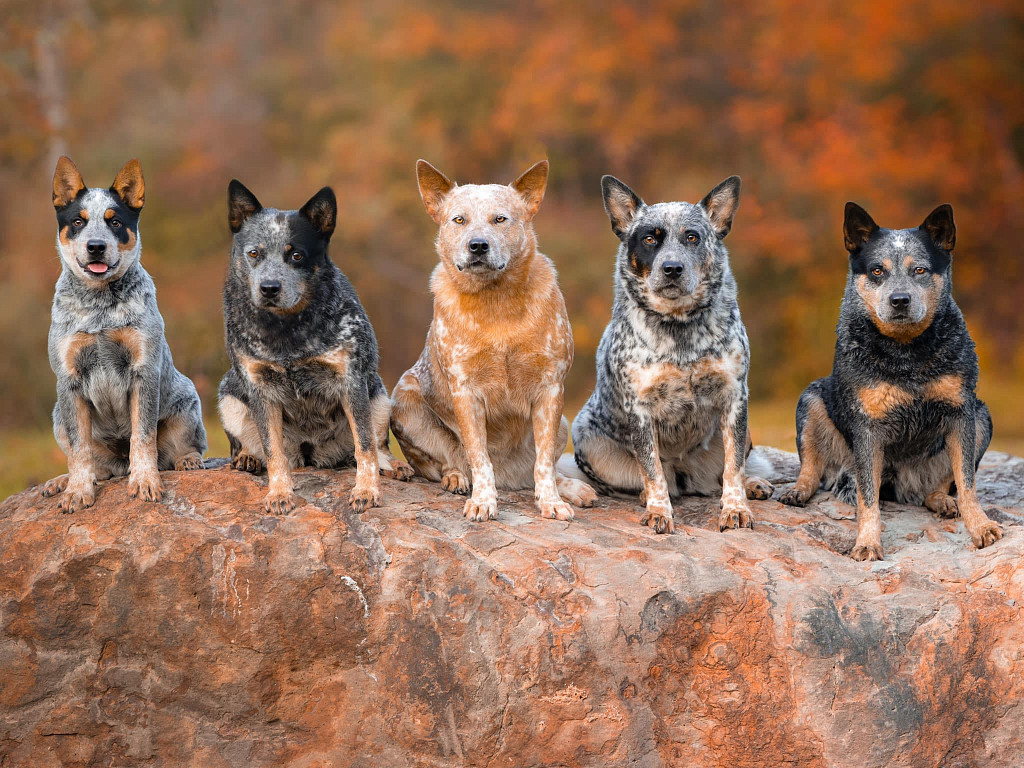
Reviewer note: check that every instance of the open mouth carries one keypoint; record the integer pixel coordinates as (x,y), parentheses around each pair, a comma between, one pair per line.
(98,268)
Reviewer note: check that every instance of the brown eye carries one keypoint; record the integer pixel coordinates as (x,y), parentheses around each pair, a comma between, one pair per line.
(920,270)
(877,271)
(459,220)
(77,222)
(650,240)
(253,253)
(297,255)
(499,219)
(691,237)
(115,223)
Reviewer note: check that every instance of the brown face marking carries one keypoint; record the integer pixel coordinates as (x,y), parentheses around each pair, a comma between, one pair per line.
(908,262)
(879,400)
(901,332)
(946,389)
(132,340)
(109,214)
(73,346)
(887,264)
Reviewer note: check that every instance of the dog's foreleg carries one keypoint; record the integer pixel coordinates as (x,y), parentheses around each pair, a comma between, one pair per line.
(76,416)
(547,418)
(472,421)
(366,492)
(269,419)
(143,472)
(867,459)
(961,447)
(735,510)
(645,449)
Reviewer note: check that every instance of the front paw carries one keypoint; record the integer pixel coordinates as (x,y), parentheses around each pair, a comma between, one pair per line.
(145,486)
(942,504)
(867,549)
(793,497)
(659,518)
(556,509)
(576,492)
(481,509)
(758,488)
(245,462)
(280,502)
(189,462)
(77,498)
(364,497)
(55,486)
(400,470)
(986,533)
(455,482)
(735,516)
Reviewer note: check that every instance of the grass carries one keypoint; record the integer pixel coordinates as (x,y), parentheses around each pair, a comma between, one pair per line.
(31,456)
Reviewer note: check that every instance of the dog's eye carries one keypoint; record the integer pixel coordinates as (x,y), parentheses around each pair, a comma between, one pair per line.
(877,271)
(650,240)
(115,223)
(459,220)
(253,253)
(297,255)
(920,270)
(692,237)
(77,222)
(500,219)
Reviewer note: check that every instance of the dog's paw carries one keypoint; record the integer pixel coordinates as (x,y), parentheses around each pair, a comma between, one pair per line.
(280,502)
(77,498)
(400,470)
(55,486)
(985,533)
(245,462)
(576,492)
(735,516)
(793,497)
(758,488)
(455,482)
(189,462)
(555,510)
(942,504)
(480,510)
(364,497)
(145,486)
(867,550)
(659,519)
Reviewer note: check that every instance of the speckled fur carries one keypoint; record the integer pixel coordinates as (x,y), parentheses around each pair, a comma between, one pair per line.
(898,418)
(668,415)
(122,407)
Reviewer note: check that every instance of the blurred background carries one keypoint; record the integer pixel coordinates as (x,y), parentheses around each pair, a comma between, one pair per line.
(897,105)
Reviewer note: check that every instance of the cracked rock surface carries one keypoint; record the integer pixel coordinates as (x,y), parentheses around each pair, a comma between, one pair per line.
(201,631)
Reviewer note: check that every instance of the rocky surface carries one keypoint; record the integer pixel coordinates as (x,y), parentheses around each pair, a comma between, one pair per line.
(202,632)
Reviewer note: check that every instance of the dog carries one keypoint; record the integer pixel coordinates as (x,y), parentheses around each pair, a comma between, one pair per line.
(668,415)
(482,406)
(122,407)
(303,387)
(898,418)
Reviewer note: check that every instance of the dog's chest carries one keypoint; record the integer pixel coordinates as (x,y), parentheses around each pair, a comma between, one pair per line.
(669,391)
(310,380)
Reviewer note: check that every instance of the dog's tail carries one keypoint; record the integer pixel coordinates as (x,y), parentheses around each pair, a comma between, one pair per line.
(759,465)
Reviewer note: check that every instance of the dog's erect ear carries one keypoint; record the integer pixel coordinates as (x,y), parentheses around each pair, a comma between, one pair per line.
(67,182)
(721,204)
(434,188)
(531,186)
(322,211)
(130,186)
(858,226)
(620,203)
(940,227)
(241,205)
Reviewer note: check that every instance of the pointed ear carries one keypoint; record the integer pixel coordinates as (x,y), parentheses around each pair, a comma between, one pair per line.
(721,204)
(620,203)
(940,227)
(858,226)
(67,182)
(434,188)
(322,211)
(130,186)
(531,186)
(241,205)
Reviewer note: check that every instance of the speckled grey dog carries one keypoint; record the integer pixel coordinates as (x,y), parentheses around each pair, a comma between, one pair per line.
(122,408)
(303,388)
(668,416)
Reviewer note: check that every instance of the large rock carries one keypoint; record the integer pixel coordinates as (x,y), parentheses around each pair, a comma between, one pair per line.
(203,632)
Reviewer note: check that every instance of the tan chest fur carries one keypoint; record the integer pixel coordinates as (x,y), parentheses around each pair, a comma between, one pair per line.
(666,387)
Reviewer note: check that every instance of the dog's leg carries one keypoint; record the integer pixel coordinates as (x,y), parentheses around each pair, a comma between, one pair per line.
(576,491)
(645,449)
(812,440)
(390,466)
(429,445)
(961,445)
(867,457)
(735,510)
(76,419)
(176,442)
(366,492)
(547,419)
(269,419)
(143,473)
(472,420)
(243,434)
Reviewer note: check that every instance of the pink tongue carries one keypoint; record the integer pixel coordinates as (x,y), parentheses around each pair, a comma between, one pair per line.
(98,267)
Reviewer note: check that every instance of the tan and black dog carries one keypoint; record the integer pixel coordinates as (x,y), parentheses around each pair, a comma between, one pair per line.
(482,407)
(898,418)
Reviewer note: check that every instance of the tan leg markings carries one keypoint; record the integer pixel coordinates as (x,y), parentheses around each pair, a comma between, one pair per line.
(366,492)
(812,462)
(430,448)
(469,412)
(79,491)
(143,475)
(983,531)
(280,499)
(735,510)
(869,517)
(655,497)
(172,440)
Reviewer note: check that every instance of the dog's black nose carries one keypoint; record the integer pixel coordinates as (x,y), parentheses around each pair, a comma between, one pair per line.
(96,247)
(270,288)
(900,300)
(673,269)
(479,246)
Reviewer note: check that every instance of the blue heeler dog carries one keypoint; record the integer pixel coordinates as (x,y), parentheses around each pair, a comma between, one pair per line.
(668,416)
(122,408)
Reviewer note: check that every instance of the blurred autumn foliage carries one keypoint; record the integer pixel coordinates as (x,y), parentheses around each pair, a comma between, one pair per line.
(897,105)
